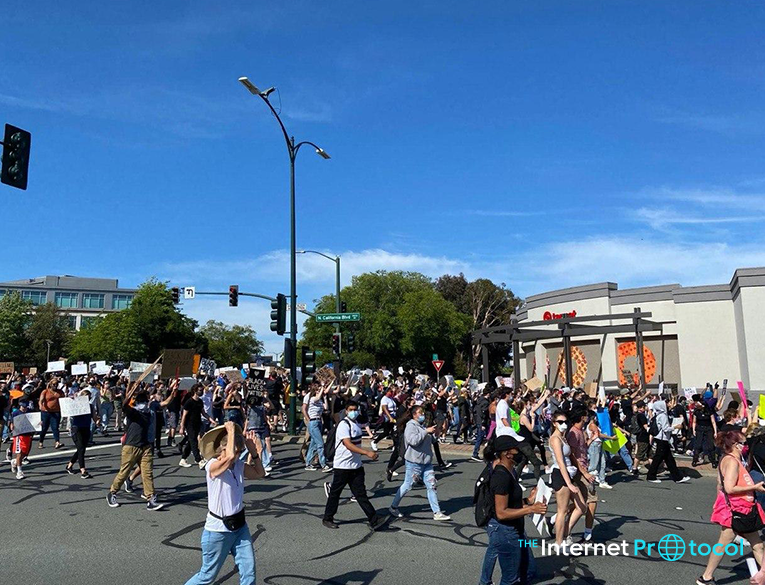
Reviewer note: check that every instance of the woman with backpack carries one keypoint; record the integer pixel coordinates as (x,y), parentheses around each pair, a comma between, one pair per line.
(503,495)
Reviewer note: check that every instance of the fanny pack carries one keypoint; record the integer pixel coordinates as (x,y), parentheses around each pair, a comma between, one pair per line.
(233,522)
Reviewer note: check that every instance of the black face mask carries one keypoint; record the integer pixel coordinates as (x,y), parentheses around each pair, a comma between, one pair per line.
(517,457)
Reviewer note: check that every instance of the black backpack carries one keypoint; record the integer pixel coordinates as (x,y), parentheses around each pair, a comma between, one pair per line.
(482,498)
(653,427)
(329,442)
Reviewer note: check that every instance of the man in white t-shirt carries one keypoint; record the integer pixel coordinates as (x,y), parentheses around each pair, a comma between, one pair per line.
(348,469)
(503,417)
(388,408)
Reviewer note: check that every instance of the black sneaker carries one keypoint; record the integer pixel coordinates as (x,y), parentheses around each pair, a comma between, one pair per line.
(71,471)
(389,474)
(474,458)
(330,524)
(377,522)
(86,475)
(128,486)
(447,465)
(702,581)
(111,500)
(160,454)
(153,505)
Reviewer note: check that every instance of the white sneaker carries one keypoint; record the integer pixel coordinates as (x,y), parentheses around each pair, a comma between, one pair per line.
(605,486)
(441,516)
(268,469)
(394,473)
(20,474)
(686,478)
(374,446)
(395,512)
(202,463)
(13,466)
(184,463)
(655,480)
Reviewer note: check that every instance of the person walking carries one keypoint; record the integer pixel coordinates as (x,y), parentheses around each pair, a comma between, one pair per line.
(191,423)
(419,464)
(137,449)
(349,471)
(563,478)
(663,452)
(736,491)
(226,531)
(388,410)
(50,412)
(315,410)
(506,529)
(481,417)
(81,425)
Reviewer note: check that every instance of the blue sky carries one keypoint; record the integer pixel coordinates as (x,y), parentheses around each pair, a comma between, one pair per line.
(541,144)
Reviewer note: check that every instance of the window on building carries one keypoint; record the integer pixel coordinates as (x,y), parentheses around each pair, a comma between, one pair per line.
(86,322)
(120,302)
(66,300)
(36,296)
(2,293)
(72,321)
(92,301)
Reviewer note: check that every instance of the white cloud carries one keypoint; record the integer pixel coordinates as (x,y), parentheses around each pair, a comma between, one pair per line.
(663,218)
(712,199)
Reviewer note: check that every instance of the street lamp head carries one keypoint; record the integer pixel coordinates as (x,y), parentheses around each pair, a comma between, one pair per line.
(322,153)
(250,87)
(300,252)
(267,92)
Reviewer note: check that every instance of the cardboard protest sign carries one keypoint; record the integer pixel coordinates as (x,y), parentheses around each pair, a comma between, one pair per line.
(604,421)
(79,369)
(59,366)
(534,383)
(6,367)
(592,389)
(32,371)
(325,375)
(232,374)
(614,446)
(544,494)
(178,362)
(27,423)
(74,406)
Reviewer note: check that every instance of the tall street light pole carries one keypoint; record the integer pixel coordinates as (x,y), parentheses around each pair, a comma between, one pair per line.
(292,151)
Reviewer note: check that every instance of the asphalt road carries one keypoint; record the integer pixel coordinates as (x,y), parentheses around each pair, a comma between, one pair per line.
(57,528)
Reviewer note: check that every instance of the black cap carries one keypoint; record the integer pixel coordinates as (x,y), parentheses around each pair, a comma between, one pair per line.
(504,443)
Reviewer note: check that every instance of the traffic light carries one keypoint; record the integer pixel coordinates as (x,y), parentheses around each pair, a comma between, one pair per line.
(351,340)
(336,343)
(343,307)
(176,294)
(308,365)
(289,353)
(16,144)
(233,295)
(279,314)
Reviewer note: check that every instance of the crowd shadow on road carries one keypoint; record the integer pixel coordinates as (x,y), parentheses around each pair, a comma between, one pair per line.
(349,578)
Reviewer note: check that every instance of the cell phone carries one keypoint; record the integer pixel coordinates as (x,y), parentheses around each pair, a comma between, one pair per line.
(725,383)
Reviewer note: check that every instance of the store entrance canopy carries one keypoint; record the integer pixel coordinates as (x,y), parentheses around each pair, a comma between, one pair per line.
(564,328)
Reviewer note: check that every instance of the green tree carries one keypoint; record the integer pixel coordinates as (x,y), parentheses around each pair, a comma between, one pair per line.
(48,326)
(15,317)
(158,321)
(430,324)
(115,337)
(230,345)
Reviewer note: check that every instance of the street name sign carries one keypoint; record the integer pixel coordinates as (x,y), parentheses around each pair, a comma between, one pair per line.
(338,317)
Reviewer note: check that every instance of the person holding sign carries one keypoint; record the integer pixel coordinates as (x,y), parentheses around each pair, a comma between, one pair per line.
(81,435)
(22,442)
(50,412)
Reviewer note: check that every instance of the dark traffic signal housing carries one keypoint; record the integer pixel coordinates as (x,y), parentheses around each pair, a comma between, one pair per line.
(233,295)
(279,314)
(15,164)
(175,292)
(336,343)
(351,342)
(343,307)
(308,365)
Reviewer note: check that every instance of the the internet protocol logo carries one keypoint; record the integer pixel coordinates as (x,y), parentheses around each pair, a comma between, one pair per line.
(671,547)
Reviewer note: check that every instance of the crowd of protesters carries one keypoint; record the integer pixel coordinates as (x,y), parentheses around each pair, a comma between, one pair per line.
(556,435)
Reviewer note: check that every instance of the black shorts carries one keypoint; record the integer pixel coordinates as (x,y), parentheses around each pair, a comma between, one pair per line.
(441,416)
(557,479)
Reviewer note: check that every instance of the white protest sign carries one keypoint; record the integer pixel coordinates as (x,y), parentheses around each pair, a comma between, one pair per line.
(186,383)
(386,373)
(689,392)
(601,393)
(661,387)
(74,406)
(138,366)
(98,368)
(79,369)
(544,493)
(57,366)
(27,423)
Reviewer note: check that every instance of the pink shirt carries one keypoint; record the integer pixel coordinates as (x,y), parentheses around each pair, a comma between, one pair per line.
(578,444)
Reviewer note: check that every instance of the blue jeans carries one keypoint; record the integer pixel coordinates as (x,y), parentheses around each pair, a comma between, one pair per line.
(215,548)
(107,409)
(479,434)
(317,443)
(50,420)
(416,471)
(455,418)
(265,456)
(516,562)
(625,455)
(597,459)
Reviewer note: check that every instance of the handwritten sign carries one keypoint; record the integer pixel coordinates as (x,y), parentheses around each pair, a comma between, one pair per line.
(59,366)
(544,494)
(6,367)
(98,368)
(79,369)
(178,362)
(74,406)
(27,423)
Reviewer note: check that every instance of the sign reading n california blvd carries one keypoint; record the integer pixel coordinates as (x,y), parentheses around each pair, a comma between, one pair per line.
(338,317)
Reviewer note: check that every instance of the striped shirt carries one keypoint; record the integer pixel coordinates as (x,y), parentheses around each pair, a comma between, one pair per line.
(315,408)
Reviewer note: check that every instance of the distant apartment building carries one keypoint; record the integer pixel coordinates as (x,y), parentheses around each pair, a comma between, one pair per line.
(84,299)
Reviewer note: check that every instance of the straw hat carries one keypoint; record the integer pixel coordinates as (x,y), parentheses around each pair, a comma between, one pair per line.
(210,441)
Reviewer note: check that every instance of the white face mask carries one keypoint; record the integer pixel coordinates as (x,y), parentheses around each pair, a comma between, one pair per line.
(562,427)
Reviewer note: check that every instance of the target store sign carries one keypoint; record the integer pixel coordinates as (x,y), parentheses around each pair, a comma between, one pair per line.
(548,316)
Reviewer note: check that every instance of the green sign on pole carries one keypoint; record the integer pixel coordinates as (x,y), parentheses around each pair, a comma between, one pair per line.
(338,317)
(435,357)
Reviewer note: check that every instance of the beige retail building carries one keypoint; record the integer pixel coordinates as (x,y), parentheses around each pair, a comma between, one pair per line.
(708,333)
